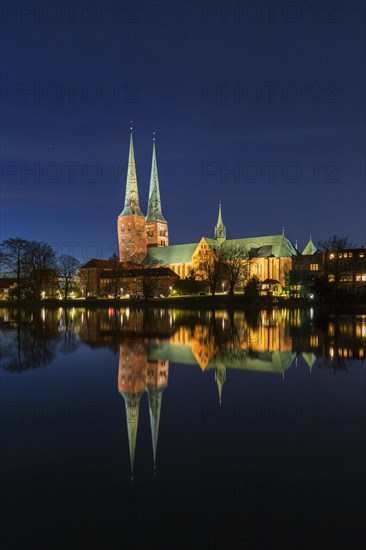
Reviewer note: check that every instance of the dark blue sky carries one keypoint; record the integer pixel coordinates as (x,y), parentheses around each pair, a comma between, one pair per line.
(275,92)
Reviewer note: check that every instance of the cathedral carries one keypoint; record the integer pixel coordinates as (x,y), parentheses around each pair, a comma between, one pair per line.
(140,236)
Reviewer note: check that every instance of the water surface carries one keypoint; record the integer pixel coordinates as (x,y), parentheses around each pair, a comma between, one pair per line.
(124,428)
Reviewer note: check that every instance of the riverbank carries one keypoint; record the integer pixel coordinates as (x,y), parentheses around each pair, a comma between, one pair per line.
(221,301)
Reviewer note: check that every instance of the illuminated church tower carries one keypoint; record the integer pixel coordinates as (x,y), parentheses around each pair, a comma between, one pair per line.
(131,222)
(156,224)
(220,229)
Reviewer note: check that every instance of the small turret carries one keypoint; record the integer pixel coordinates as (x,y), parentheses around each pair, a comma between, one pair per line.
(220,229)
(309,249)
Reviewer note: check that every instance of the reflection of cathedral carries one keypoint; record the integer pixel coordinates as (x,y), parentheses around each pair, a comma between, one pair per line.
(136,374)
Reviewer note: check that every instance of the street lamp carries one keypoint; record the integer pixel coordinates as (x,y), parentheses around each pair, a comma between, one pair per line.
(170,289)
(121,292)
(223,287)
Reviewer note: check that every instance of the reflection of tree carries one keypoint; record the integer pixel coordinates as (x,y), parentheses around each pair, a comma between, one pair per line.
(28,349)
(30,341)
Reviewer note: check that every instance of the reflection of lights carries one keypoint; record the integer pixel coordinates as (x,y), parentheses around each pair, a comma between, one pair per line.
(43,293)
(331,352)
(43,313)
(363,329)
(311,313)
(128,314)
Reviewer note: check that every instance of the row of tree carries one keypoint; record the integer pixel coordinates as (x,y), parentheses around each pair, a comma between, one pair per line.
(34,265)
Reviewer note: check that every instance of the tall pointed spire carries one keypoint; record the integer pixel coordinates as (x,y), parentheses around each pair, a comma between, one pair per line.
(132,205)
(220,229)
(154,210)
(156,224)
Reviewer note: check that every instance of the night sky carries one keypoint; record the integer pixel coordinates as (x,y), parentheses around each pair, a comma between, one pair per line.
(275,92)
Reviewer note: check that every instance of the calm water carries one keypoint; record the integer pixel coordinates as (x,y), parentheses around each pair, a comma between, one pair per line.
(182,429)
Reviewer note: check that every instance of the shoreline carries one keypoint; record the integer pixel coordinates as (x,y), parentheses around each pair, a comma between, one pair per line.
(196,302)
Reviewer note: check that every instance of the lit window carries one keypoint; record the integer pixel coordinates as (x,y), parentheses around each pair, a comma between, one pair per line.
(331,256)
(350,255)
(331,278)
(314,267)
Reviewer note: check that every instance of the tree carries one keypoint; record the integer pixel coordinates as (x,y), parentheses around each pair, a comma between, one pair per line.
(40,262)
(235,265)
(189,285)
(13,254)
(67,267)
(252,287)
(209,267)
(334,244)
(148,274)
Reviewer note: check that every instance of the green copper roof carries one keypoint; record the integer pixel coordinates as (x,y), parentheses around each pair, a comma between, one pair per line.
(263,247)
(174,254)
(132,205)
(154,211)
(310,248)
(276,245)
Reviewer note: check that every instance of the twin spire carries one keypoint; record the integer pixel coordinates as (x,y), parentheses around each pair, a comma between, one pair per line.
(132,204)
(154,211)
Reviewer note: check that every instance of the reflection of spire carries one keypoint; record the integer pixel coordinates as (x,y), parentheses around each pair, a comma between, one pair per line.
(220,378)
(309,358)
(155,395)
(132,403)
(132,385)
(157,381)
